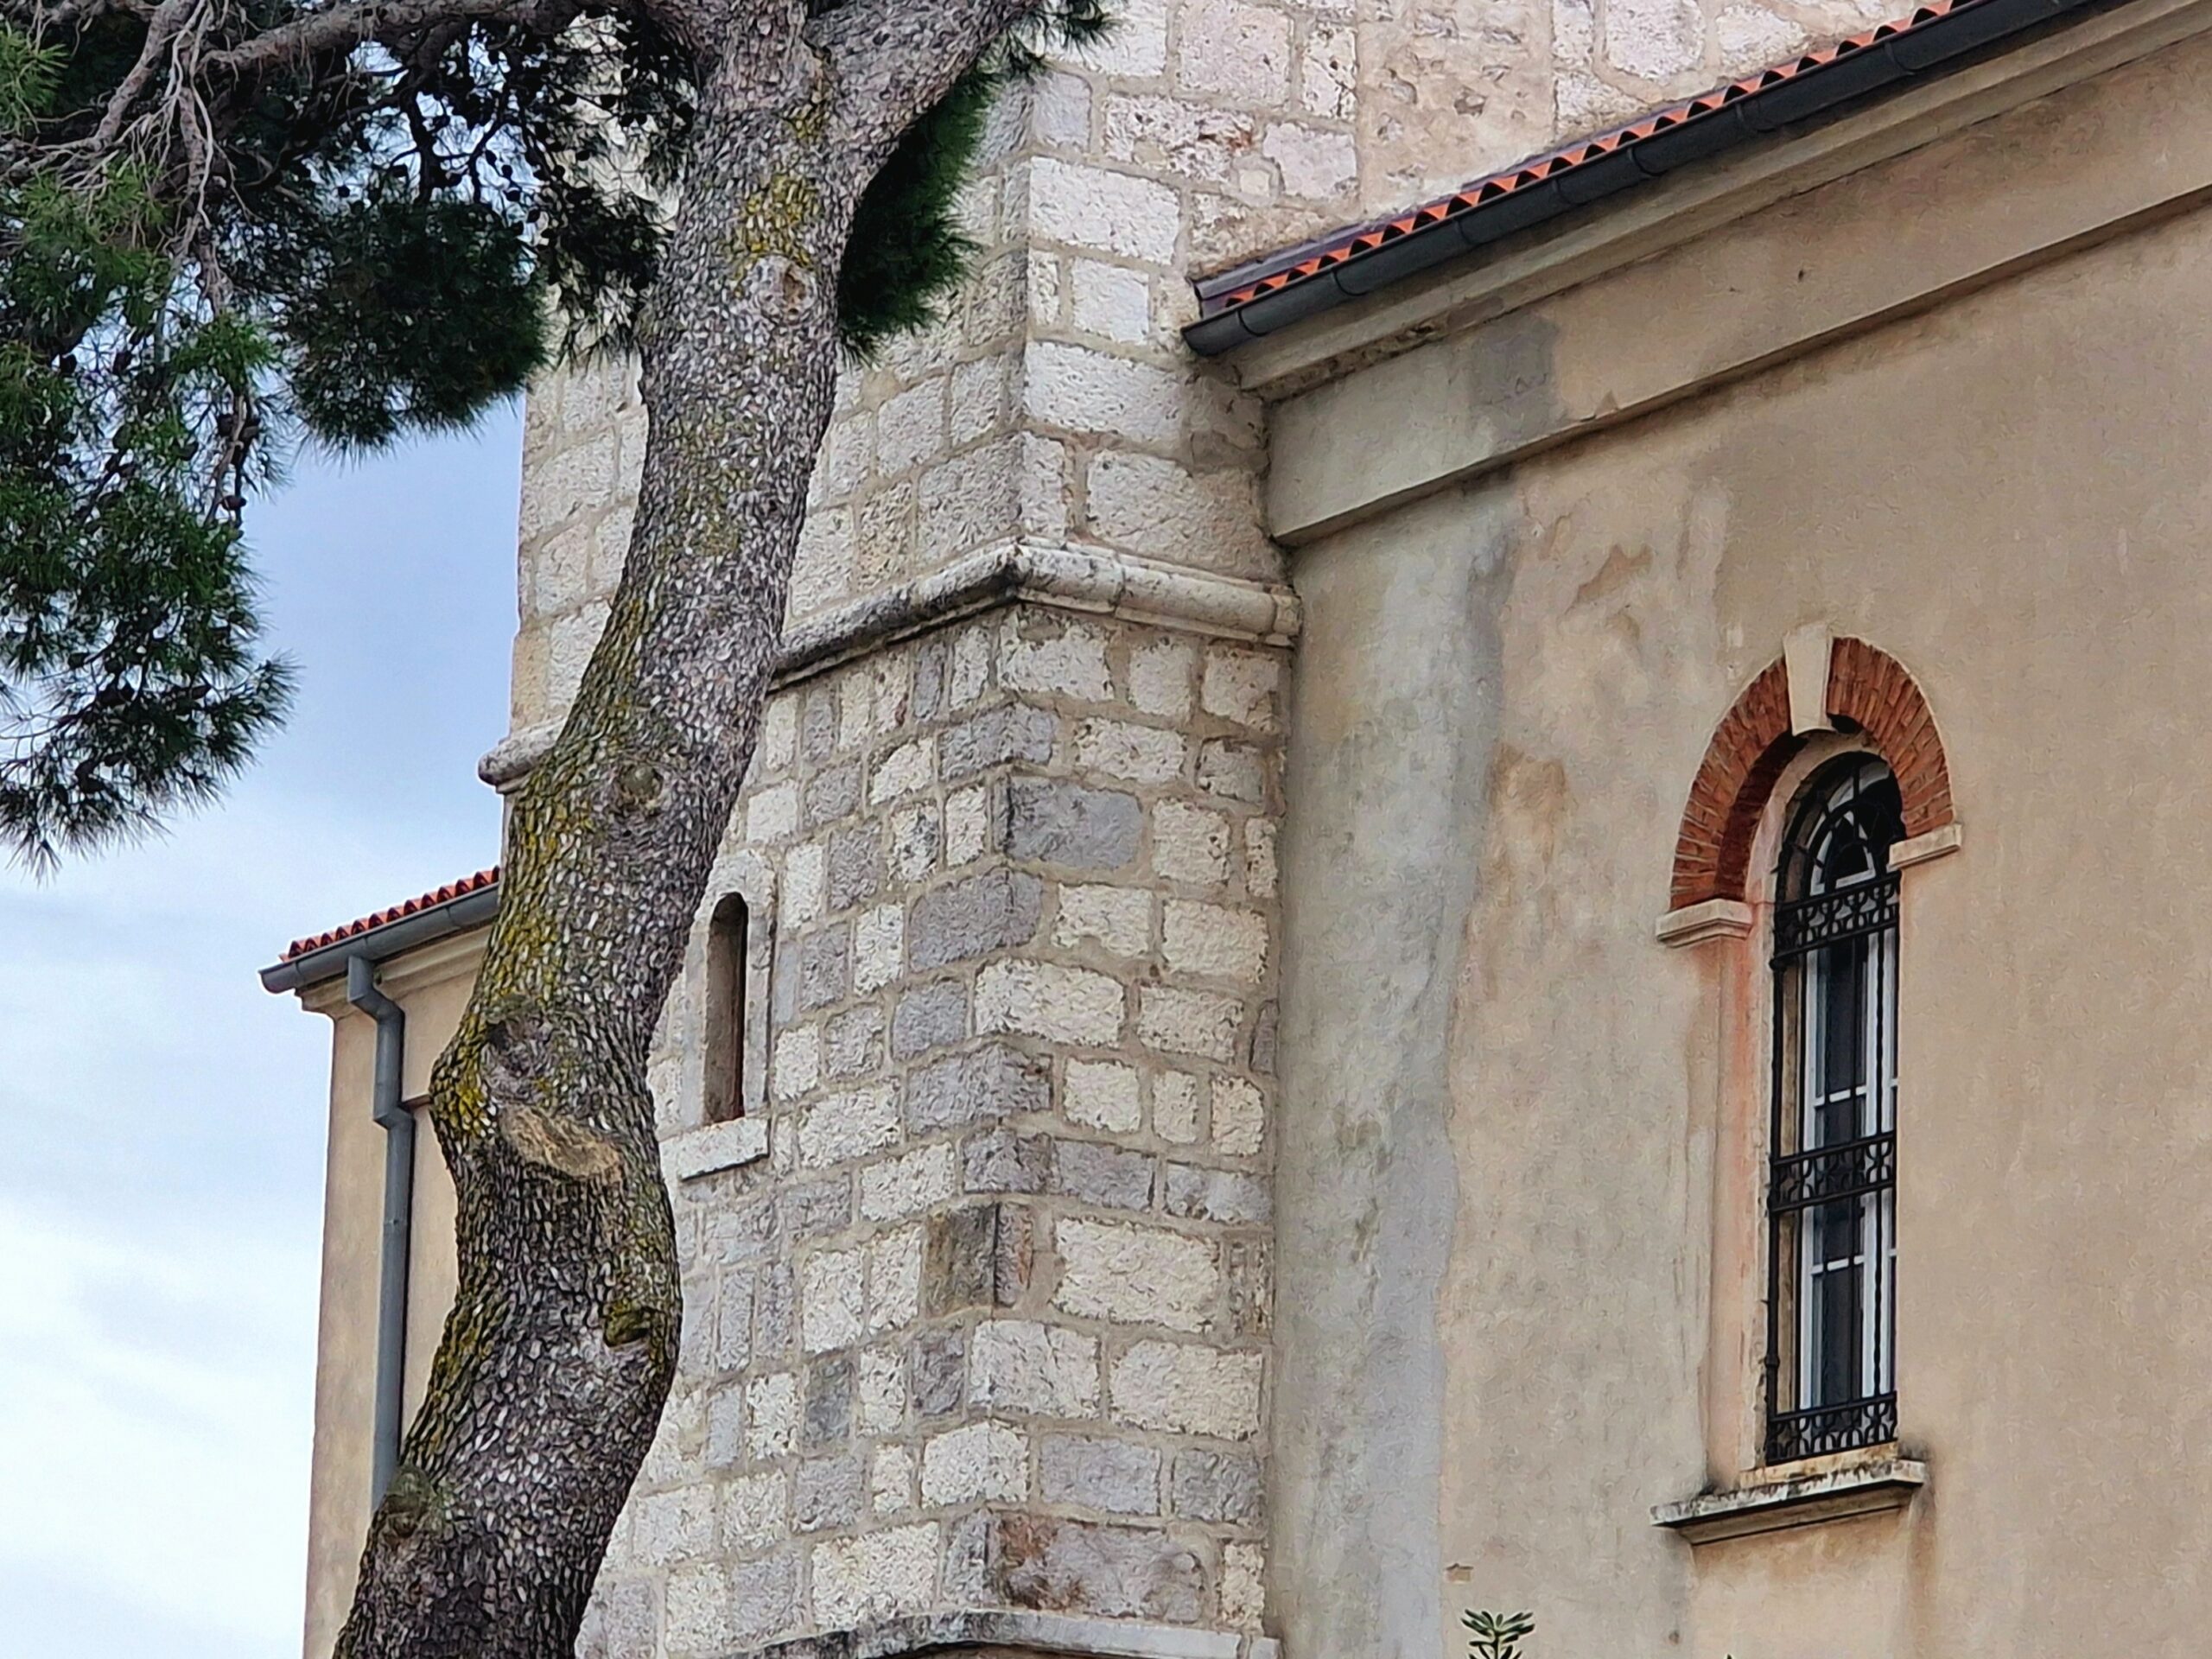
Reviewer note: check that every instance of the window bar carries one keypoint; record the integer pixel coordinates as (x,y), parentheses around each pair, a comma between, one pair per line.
(1777,1150)
(1877,1228)
(1832,1198)
(1864,957)
(1892,1004)
(1809,1041)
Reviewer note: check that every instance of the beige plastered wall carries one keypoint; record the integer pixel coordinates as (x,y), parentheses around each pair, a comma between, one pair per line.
(432,985)
(1954,404)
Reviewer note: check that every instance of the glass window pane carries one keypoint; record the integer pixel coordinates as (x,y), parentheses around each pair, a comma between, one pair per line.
(1836,1336)
(1832,1301)
(1843,984)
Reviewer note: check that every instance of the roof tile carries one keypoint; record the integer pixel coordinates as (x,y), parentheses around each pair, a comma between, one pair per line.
(421,902)
(1302,263)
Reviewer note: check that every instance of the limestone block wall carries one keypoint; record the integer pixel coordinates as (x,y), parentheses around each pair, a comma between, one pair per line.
(1054,404)
(1452,90)
(977,1298)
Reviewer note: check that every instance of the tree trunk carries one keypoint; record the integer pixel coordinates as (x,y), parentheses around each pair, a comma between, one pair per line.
(549,1382)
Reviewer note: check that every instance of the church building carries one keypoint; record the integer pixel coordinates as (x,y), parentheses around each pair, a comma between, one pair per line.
(1472,889)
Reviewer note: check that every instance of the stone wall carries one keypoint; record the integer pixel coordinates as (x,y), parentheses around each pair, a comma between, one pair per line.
(1447,91)
(977,1301)
(977,1292)
(1055,403)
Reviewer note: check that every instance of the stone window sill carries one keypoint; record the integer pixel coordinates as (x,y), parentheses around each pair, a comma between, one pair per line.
(698,1152)
(1863,1486)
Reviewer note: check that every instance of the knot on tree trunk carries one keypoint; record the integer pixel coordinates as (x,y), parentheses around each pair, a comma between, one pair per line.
(638,788)
(781,289)
(411,1505)
(561,1144)
(629,1323)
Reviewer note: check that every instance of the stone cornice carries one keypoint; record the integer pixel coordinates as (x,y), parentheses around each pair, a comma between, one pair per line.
(1081,579)
(1084,579)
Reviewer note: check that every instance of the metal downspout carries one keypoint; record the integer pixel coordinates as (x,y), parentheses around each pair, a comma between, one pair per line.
(398,1125)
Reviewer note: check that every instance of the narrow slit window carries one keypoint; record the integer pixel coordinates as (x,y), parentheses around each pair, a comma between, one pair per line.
(725,1011)
(1832,1196)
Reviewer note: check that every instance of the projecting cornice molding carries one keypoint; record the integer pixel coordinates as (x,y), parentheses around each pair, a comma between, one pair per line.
(1077,579)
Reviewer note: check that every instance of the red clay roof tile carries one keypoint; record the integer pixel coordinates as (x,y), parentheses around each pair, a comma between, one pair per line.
(368,924)
(1534,169)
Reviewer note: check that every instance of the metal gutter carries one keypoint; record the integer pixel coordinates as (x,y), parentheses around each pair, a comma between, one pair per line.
(1450,231)
(456,915)
(396,1234)
(355,958)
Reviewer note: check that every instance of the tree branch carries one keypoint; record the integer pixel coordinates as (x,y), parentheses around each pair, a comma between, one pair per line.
(42,17)
(894,60)
(341,29)
(167,23)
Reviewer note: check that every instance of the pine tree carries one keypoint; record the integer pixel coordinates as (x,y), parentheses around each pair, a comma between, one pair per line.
(230,225)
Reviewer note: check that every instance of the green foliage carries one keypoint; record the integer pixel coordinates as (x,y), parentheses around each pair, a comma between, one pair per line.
(129,680)
(345,247)
(907,252)
(368,244)
(1498,1636)
(406,314)
(29,75)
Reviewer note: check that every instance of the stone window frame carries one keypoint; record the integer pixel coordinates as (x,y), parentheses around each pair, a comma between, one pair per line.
(1822,698)
(706,1147)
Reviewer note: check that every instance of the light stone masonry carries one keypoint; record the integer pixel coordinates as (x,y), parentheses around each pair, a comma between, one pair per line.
(1053,402)
(978,1302)
(976,1308)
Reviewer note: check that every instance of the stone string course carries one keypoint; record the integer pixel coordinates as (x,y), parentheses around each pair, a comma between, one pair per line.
(986,1325)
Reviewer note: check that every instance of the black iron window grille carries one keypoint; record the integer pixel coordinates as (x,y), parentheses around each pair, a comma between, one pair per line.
(1831,1367)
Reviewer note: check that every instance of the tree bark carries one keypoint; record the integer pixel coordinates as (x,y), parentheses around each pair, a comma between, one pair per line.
(549,1382)
(558,1355)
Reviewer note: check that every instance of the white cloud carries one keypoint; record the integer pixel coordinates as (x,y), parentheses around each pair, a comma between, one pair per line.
(155,1422)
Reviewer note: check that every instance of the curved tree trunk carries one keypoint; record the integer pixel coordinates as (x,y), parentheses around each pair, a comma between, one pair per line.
(550,1379)
(557,1359)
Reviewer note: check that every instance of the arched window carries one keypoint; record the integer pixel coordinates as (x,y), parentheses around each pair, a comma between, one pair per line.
(1832,1199)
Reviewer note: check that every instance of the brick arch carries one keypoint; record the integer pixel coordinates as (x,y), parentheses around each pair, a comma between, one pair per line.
(1868,691)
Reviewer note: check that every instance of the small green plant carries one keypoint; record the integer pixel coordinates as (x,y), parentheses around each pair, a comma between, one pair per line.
(1498,1636)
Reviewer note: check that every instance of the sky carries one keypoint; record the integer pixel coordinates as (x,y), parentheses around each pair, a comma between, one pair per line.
(160,1176)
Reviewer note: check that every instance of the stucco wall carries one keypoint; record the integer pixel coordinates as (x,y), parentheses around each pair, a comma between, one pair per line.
(1367,1189)
(431,985)
(1503,692)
